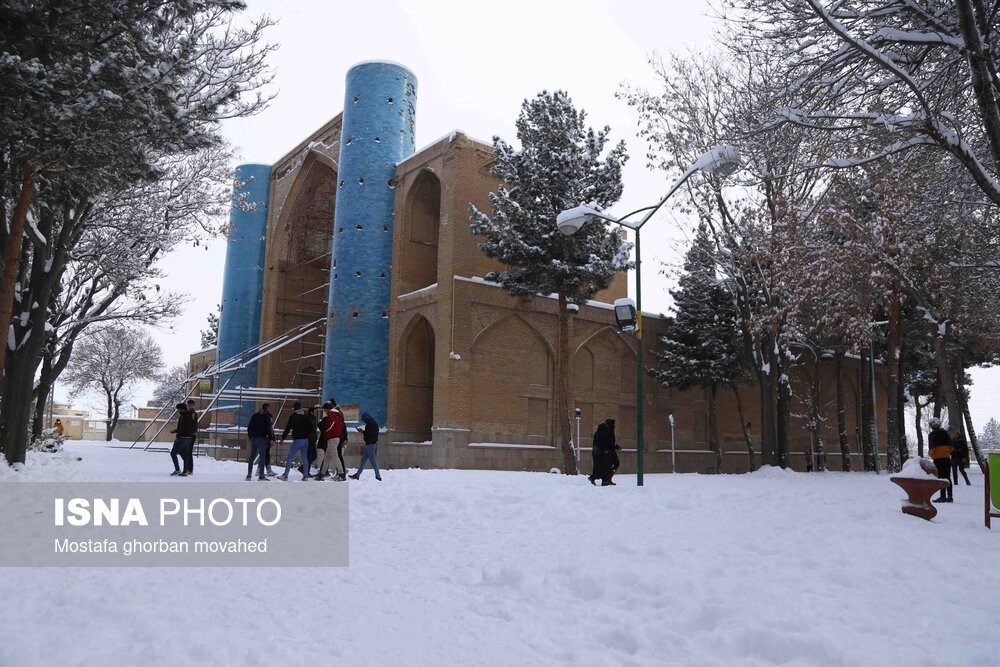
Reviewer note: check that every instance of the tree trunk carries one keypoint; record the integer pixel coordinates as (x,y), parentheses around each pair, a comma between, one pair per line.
(973,439)
(565,432)
(904,444)
(42,391)
(867,446)
(784,408)
(745,427)
(845,446)
(946,380)
(893,447)
(713,428)
(819,456)
(114,420)
(768,435)
(919,427)
(111,411)
(11,258)
(15,409)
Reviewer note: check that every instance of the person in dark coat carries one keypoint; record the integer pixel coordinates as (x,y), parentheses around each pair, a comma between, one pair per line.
(189,461)
(940,449)
(184,442)
(370,432)
(615,461)
(300,426)
(600,450)
(959,456)
(313,438)
(260,432)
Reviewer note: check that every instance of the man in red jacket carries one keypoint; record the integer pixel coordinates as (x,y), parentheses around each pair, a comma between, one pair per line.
(334,432)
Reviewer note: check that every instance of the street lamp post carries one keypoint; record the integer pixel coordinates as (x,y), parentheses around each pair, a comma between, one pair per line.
(673,460)
(721,160)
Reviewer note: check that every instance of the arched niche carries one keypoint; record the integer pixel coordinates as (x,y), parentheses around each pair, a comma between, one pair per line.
(415,403)
(422,215)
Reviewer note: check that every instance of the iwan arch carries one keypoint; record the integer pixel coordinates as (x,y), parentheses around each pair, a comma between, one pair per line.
(356,226)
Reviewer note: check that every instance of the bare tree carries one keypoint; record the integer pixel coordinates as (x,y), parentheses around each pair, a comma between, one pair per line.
(111,361)
(167,385)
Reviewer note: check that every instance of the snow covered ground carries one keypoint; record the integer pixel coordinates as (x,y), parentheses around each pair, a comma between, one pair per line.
(498,568)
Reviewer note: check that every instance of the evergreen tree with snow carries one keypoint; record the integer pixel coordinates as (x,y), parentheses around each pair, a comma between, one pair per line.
(702,346)
(990,438)
(560,165)
(210,336)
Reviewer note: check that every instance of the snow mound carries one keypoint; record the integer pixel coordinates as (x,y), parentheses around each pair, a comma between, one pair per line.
(773,472)
(914,469)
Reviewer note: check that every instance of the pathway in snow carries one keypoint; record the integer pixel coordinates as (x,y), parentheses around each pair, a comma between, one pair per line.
(452,567)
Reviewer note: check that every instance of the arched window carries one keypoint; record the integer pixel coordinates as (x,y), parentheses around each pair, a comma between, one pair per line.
(584,378)
(418,363)
(423,220)
(538,363)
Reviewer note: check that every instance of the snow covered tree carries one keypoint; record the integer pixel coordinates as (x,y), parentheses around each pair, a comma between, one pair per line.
(911,74)
(101,265)
(96,96)
(702,346)
(990,438)
(210,336)
(560,165)
(111,361)
(167,385)
(707,100)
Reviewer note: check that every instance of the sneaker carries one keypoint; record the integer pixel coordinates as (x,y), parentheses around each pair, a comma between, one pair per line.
(283,478)
(378,478)
(355,476)
(306,478)
(175,473)
(263,479)
(319,478)
(184,474)
(271,473)
(593,481)
(248,478)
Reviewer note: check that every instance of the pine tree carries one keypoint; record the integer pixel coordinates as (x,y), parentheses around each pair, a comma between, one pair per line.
(990,438)
(559,166)
(702,344)
(210,336)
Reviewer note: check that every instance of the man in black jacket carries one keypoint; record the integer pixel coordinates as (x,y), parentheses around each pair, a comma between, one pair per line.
(300,426)
(260,431)
(370,431)
(184,442)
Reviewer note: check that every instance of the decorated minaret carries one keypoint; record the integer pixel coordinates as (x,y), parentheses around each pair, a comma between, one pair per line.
(377,133)
(243,278)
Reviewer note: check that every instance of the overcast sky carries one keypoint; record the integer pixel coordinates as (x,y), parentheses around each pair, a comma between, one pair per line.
(475,63)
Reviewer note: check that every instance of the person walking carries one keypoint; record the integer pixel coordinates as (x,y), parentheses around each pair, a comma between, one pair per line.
(370,432)
(600,451)
(940,449)
(960,456)
(321,444)
(299,425)
(335,433)
(613,454)
(189,461)
(313,437)
(183,442)
(58,426)
(260,432)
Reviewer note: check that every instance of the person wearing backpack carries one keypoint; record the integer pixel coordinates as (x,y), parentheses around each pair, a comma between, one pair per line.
(334,431)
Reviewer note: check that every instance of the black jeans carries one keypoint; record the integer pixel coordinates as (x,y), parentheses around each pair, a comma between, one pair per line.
(944,472)
(956,467)
(183,447)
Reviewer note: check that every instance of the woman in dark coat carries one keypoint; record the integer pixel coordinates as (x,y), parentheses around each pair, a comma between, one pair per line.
(603,447)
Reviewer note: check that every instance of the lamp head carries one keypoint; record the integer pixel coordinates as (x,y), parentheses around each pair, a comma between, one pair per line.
(671,418)
(721,160)
(571,220)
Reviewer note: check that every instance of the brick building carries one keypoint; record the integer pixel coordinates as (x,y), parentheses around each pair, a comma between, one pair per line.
(467,369)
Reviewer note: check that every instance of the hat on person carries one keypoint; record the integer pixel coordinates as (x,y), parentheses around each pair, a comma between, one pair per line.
(181,406)
(328,405)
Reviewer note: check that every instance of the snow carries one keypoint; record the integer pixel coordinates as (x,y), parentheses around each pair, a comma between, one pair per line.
(422,290)
(474,567)
(913,470)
